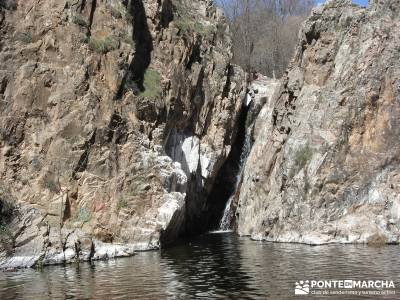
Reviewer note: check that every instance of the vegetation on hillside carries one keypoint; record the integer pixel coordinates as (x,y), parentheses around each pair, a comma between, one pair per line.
(265,32)
(151,84)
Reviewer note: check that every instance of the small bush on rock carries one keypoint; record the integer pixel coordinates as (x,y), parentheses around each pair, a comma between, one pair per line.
(186,25)
(122,203)
(51,185)
(103,46)
(24,37)
(303,156)
(151,84)
(83,215)
(78,20)
(301,159)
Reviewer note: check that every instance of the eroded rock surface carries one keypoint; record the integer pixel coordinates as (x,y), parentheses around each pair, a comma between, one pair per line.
(325,166)
(111,112)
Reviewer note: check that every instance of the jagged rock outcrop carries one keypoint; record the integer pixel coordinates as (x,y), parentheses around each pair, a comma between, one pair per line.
(111,113)
(325,166)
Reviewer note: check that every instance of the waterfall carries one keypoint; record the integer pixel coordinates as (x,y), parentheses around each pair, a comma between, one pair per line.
(228,216)
(257,96)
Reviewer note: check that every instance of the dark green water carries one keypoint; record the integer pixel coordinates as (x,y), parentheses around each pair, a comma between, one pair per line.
(212,266)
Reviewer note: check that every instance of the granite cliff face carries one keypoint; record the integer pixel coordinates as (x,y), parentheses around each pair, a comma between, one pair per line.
(112,113)
(325,166)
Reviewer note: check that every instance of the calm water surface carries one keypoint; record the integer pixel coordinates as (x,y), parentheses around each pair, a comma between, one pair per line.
(212,266)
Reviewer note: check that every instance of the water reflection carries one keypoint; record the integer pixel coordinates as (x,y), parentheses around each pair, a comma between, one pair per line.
(213,266)
(209,267)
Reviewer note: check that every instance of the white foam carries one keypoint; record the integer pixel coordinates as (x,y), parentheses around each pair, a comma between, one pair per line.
(220,231)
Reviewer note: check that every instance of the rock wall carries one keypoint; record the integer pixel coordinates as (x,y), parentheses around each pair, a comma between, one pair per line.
(111,112)
(325,166)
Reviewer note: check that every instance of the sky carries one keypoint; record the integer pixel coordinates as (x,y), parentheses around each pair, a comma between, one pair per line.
(361,2)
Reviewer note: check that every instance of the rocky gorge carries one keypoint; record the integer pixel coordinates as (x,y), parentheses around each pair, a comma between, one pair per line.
(123,124)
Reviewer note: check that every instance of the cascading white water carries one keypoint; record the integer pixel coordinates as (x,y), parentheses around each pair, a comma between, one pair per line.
(227,218)
(258,93)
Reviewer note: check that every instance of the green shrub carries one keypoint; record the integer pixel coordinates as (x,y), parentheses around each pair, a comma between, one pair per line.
(184,24)
(25,37)
(186,21)
(83,215)
(199,27)
(117,9)
(122,203)
(78,20)
(151,84)
(103,46)
(303,156)
(51,185)
(3,229)
(301,159)
(187,25)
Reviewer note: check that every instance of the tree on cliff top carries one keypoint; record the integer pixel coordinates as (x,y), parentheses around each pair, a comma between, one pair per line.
(265,32)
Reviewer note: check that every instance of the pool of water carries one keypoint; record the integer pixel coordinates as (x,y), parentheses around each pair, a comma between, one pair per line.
(211,266)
